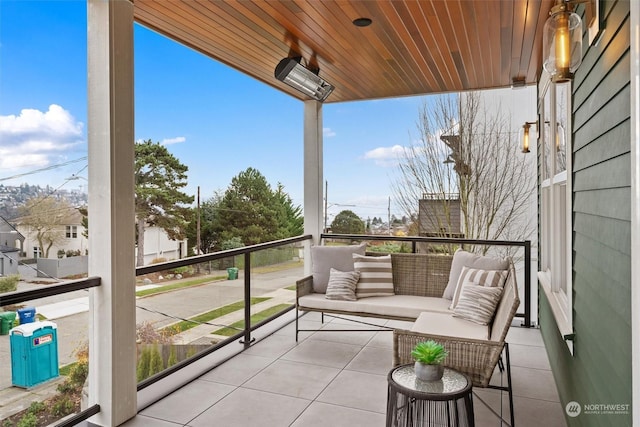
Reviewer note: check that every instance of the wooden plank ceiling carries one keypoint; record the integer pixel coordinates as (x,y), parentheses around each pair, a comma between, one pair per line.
(412,47)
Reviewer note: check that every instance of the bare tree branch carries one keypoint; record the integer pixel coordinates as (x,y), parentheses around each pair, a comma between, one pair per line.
(493,181)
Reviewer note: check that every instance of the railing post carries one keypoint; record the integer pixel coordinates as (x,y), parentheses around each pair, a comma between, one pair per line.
(527,283)
(247,300)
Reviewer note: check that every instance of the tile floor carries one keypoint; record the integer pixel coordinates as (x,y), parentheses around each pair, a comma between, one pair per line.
(337,379)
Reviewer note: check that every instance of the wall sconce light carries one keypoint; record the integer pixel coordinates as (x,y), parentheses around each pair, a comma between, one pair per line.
(525,135)
(307,81)
(562,42)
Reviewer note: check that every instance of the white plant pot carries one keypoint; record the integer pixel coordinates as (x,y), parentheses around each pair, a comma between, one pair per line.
(428,372)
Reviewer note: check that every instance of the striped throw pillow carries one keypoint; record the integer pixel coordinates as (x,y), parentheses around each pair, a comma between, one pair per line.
(376,278)
(478,303)
(474,276)
(342,285)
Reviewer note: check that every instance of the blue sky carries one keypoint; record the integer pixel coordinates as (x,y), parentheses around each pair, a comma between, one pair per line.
(216,120)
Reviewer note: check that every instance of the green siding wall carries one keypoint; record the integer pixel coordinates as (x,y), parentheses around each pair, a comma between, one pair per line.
(599,372)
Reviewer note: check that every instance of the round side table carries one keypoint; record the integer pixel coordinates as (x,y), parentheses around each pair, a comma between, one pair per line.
(413,402)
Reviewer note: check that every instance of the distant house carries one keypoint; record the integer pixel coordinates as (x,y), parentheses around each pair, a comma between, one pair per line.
(69,237)
(11,245)
(71,240)
(157,245)
(439,215)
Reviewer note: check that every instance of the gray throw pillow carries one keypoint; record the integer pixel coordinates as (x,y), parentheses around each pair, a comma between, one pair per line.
(342,285)
(467,259)
(324,258)
(478,303)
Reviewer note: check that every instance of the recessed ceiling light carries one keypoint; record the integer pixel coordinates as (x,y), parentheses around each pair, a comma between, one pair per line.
(362,22)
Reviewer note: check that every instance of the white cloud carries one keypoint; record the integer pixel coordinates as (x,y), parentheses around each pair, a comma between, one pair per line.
(36,138)
(176,140)
(328,132)
(385,156)
(10,160)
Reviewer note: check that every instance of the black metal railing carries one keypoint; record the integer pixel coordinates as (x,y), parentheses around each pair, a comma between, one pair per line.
(245,333)
(414,240)
(17,297)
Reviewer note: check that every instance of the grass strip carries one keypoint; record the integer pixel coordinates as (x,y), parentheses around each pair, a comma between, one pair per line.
(210,315)
(258,317)
(178,285)
(64,370)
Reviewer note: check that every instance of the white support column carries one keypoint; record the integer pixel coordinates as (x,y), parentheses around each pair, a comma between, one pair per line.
(635,211)
(313,174)
(112,351)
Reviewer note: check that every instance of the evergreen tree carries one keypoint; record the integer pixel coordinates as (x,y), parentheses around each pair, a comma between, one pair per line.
(156,363)
(159,200)
(292,223)
(173,357)
(142,370)
(249,210)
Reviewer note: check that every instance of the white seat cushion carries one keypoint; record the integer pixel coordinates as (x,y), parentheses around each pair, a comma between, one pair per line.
(406,306)
(447,325)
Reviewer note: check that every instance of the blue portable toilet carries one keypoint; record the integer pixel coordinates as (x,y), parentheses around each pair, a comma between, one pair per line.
(34,353)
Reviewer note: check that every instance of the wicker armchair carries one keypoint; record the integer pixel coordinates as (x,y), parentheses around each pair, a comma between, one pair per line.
(476,358)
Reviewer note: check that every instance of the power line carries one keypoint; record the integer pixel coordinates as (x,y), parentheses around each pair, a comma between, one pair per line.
(59,165)
(46,196)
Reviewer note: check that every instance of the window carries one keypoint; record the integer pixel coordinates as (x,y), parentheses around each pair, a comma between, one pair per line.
(72,232)
(36,252)
(555,276)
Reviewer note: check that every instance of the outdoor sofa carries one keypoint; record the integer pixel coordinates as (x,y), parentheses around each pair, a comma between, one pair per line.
(422,293)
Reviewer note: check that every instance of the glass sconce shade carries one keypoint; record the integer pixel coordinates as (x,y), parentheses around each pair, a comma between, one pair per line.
(525,135)
(562,43)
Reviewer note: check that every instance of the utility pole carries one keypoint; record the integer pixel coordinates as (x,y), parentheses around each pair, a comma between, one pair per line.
(389,215)
(326,197)
(198,225)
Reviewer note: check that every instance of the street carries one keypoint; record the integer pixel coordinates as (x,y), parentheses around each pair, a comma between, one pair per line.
(182,303)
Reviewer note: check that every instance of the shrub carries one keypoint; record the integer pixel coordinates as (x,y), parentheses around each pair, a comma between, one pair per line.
(29,420)
(36,407)
(80,370)
(173,357)
(142,370)
(182,270)
(9,283)
(60,253)
(62,407)
(156,364)
(71,253)
(147,334)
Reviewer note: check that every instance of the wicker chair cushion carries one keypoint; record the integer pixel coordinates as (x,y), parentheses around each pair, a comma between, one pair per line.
(323,258)
(445,324)
(466,259)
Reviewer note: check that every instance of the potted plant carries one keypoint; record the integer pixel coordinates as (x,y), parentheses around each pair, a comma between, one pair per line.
(429,356)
